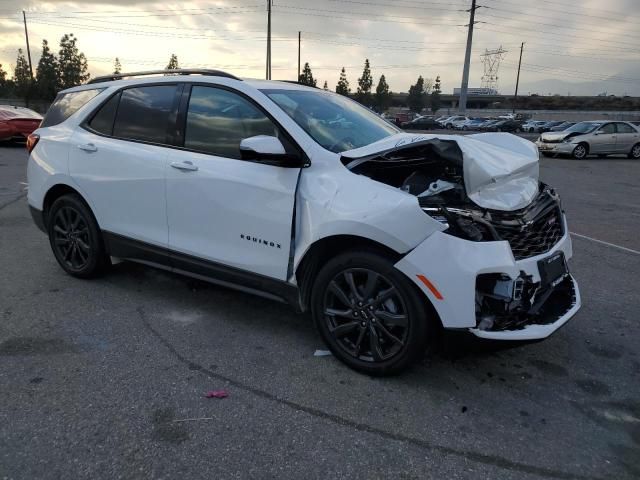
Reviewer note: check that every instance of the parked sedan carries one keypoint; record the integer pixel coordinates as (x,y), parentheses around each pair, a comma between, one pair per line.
(602,138)
(549,125)
(486,126)
(562,127)
(421,123)
(505,126)
(533,126)
(472,124)
(17,122)
(451,122)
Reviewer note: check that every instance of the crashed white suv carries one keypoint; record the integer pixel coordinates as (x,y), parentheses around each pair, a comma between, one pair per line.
(304,196)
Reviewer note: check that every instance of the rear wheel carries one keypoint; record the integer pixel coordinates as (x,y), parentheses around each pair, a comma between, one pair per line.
(369,314)
(635,152)
(580,151)
(75,237)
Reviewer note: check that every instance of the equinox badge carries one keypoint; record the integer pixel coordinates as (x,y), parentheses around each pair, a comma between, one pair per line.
(260,240)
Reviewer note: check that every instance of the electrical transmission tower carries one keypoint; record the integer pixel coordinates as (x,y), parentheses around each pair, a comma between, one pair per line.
(491,61)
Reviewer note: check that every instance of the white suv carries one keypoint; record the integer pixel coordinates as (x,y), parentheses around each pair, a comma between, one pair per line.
(306,197)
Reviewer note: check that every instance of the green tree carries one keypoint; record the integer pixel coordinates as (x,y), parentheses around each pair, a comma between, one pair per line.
(4,84)
(117,66)
(306,77)
(173,63)
(325,86)
(383,95)
(415,99)
(365,82)
(22,77)
(47,74)
(343,84)
(436,101)
(72,64)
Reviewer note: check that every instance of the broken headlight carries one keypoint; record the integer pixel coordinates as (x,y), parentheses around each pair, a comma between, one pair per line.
(462,223)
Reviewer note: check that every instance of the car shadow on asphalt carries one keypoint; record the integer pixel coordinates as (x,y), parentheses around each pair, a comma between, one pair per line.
(450,346)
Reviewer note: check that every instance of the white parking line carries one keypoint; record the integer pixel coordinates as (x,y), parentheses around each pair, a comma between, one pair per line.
(624,249)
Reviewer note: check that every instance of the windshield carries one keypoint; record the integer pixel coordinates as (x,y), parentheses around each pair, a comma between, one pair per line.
(584,127)
(335,122)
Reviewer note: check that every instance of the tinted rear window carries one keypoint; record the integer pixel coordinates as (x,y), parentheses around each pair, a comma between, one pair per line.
(66,104)
(102,121)
(143,113)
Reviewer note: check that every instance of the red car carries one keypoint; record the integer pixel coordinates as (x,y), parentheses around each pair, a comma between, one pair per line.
(17,122)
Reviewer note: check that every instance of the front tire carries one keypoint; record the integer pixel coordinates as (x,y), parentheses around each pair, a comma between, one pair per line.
(580,152)
(75,238)
(635,152)
(369,313)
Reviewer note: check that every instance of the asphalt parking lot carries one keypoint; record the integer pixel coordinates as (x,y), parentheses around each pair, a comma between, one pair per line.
(106,378)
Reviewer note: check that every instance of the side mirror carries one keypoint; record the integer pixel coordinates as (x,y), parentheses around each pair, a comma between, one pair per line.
(600,132)
(269,150)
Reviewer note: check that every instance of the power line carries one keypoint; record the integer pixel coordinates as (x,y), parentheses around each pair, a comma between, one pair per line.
(573,13)
(554,25)
(520,30)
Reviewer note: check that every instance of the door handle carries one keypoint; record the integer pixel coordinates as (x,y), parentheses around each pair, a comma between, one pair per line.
(185,166)
(88,147)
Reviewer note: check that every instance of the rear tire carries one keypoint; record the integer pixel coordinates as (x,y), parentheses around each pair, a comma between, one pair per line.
(580,152)
(75,237)
(370,315)
(635,152)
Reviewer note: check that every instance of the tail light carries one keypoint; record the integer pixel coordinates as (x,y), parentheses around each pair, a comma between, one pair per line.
(32,141)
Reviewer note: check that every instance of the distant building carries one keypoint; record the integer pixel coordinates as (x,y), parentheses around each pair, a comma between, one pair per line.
(477,91)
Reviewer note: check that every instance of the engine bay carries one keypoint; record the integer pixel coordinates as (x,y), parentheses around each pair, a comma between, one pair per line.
(433,172)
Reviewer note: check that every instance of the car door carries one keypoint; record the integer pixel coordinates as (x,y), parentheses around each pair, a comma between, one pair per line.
(222,209)
(603,140)
(118,160)
(626,137)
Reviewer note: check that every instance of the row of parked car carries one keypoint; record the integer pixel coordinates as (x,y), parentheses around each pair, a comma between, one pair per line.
(500,124)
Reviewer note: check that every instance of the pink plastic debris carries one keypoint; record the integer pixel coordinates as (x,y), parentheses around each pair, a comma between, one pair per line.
(217,394)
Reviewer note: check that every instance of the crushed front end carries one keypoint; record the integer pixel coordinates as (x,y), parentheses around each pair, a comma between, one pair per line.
(499,269)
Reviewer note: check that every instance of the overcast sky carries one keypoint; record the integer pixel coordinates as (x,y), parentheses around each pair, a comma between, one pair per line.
(572,46)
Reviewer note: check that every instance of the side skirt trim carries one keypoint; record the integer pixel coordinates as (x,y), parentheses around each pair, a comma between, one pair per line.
(134,250)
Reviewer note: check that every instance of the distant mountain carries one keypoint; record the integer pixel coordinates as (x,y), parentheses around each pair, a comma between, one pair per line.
(626,82)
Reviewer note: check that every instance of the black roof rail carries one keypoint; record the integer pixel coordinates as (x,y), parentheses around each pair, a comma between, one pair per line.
(178,71)
(297,82)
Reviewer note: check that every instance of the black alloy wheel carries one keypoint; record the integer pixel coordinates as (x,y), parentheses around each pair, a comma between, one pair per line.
(369,314)
(75,238)
(366,315)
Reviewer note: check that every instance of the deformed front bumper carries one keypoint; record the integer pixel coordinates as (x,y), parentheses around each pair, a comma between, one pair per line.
(563,148)
(446,269)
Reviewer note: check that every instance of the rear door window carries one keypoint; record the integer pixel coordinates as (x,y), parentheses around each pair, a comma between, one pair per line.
(624,128)
(143,113)
(66,104)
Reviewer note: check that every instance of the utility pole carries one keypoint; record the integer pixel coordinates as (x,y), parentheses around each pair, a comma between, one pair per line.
(26,34)
(268,40)
(515,97)
(462,107)
(299,46)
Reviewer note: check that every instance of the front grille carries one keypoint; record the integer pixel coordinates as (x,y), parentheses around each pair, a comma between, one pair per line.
(535,237)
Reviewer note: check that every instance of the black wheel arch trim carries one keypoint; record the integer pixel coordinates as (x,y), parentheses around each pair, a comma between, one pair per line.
(38,218)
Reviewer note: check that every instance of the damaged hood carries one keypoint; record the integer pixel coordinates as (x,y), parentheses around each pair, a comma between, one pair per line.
(500,170)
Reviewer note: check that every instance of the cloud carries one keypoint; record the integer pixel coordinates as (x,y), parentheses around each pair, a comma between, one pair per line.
(582,43)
